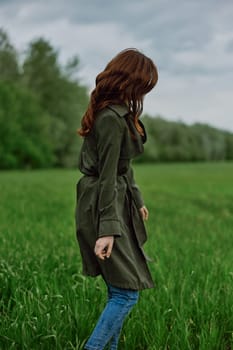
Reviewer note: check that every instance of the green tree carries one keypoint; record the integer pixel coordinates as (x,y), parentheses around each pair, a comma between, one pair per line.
(24,130)
(229,145)
(61,96)
(9,69)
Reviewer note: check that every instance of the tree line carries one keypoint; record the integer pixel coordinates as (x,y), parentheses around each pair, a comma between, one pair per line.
(42,103)
(170,141)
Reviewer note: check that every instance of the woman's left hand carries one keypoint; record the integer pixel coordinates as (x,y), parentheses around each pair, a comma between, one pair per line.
(144,213)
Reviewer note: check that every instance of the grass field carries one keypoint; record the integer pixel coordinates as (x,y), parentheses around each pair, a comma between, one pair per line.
(47,304)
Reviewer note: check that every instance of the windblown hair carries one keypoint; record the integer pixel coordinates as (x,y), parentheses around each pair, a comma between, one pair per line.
(125,80)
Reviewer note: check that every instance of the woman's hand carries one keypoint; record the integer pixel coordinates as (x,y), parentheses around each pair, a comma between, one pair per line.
(103,247)
(144,213)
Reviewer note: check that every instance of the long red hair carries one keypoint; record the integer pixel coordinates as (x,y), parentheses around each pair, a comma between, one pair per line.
(125,80)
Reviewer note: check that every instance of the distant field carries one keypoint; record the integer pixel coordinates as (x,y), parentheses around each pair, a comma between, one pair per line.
(47,304)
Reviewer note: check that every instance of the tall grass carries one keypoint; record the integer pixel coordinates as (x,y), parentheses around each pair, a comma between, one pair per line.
(46,303)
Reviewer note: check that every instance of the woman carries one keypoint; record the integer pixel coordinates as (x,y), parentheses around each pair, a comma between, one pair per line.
(110,209)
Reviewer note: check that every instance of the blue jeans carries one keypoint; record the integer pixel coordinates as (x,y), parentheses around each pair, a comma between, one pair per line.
(108,328)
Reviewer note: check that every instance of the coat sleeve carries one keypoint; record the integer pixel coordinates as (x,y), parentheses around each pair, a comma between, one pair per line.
(136,191)
(109,134)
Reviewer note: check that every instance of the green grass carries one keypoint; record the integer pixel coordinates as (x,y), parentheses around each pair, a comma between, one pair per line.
(45,302)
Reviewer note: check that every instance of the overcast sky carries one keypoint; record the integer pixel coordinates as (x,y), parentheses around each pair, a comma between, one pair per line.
(191,42)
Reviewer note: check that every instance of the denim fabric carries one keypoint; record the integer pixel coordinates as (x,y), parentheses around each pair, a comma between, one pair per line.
(108,328)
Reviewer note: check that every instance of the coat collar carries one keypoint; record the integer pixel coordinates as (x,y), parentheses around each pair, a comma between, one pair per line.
(120,110)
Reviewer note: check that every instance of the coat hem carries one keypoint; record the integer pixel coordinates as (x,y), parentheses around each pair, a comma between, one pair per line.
(135,286)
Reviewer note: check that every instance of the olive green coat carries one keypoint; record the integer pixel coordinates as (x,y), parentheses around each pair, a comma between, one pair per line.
(108,200)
